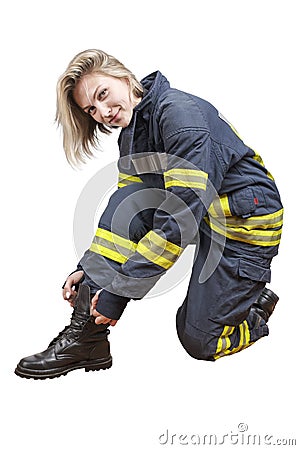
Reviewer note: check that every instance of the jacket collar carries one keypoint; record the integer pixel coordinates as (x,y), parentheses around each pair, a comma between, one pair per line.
(153,84)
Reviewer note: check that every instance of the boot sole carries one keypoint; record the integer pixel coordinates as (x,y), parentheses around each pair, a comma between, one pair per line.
(57,372)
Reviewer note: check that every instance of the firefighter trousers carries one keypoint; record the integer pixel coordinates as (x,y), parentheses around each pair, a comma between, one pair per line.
(216,318)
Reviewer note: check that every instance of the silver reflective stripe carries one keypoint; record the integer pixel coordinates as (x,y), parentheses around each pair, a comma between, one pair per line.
(114,246)
(158,250)
(268,237)
(152,163)
(263,222)
(190,178)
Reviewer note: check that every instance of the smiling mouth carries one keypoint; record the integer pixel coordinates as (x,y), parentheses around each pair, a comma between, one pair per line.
(115,117)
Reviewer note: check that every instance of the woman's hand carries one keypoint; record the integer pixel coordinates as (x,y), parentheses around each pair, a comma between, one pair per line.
(69,292)
(99,318)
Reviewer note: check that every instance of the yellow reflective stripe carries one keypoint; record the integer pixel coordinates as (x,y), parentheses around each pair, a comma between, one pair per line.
(257,230)
(246,335)
(190,184)
(192,172)
(158,250)
(225,204)
(125,179)
(152,247)
(164,244)
(258,158)
(265,238)
(266,221)
(112,246)
(153,257)
(195,179)
(244,338)
(220,206)
(115,238)
(108,253)
(223,343)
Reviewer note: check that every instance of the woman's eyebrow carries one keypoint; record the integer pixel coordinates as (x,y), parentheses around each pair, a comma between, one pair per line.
(94,95)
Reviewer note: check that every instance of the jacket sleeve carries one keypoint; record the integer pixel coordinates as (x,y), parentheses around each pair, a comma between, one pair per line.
(192,176)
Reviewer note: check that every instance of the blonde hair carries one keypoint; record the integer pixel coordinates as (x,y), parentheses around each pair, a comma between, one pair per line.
(79,128)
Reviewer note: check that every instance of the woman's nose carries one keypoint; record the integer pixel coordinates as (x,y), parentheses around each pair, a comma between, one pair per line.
(103,112)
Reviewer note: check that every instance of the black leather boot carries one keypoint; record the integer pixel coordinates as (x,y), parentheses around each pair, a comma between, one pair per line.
(265,304)
(82,344)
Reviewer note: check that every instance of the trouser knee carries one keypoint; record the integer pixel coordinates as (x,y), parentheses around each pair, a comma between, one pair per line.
(196,348)
(199,346)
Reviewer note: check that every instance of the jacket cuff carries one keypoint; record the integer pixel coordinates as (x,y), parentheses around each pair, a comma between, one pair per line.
(111,305)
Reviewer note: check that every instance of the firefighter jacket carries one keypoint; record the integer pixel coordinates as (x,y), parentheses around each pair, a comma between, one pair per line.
(180,144)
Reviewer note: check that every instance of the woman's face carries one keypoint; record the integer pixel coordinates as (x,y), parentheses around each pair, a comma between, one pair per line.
(107,99)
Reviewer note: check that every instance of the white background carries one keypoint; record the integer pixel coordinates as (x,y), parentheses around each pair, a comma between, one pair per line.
(243,56)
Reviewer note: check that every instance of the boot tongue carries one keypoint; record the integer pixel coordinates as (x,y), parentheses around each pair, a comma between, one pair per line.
(82,300)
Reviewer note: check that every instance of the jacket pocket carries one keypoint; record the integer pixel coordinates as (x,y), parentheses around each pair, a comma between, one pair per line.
(254,272)
(244,202)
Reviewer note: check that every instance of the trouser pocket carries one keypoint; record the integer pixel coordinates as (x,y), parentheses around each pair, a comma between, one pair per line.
(241,286)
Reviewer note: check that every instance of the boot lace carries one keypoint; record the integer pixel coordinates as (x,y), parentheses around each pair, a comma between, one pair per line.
(72,331)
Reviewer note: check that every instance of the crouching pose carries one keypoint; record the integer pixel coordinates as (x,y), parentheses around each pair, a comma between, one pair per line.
(185,177)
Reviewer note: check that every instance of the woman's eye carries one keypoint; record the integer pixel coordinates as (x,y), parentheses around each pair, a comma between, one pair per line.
(91,110)
(102,93)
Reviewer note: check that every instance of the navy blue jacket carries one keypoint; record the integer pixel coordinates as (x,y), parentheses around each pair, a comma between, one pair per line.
(180,143)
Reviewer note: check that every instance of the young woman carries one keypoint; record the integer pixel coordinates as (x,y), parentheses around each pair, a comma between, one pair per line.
(185,177)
